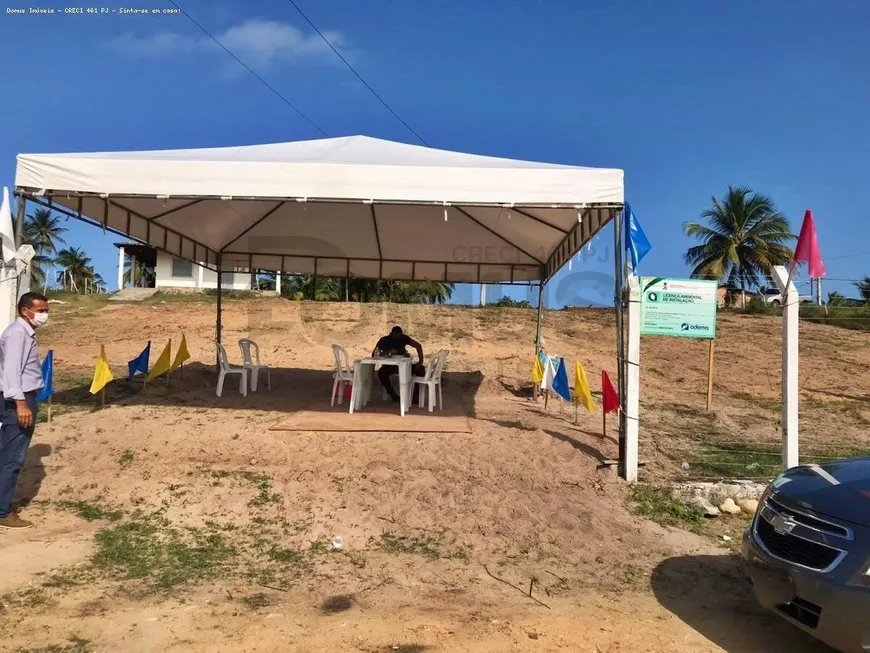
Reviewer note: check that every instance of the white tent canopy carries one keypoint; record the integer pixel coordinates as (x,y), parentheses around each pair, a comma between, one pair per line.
(354,206)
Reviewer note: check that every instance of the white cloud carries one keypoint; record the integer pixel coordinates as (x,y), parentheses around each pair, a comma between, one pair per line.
(154,45)
(257,42)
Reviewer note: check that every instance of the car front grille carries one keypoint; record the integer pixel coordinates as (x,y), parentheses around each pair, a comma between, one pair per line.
(794,549)
(815,523)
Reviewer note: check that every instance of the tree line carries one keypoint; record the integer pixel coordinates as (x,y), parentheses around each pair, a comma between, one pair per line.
(331,289)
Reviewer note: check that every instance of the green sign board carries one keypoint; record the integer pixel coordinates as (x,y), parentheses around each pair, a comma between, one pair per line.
(678,307)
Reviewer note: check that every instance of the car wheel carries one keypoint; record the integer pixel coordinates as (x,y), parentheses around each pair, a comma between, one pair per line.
(776,303)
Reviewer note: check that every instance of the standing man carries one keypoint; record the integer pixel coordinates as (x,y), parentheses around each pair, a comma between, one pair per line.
(20,381)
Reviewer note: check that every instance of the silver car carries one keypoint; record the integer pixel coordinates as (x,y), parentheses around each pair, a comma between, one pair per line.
(807,551)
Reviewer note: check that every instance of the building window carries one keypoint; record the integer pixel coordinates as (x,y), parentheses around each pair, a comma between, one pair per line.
(182,269)
(227,279)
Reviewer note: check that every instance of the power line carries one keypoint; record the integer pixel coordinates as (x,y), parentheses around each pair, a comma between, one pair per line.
(358,76)
(833,258)
(248,68)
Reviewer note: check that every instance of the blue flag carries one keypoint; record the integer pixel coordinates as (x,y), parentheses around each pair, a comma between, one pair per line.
(47,377)
(140,363)
(560,383)
(636,243)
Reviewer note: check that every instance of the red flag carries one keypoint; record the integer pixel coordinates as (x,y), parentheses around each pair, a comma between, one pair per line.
(807,248)
(608,393)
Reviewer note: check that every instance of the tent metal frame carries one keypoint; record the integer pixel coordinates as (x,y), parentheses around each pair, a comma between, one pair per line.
(571,243)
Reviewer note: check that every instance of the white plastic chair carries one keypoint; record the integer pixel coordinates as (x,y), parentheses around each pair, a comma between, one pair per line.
(226,368)
(253,363)
(343,374)
(432,380)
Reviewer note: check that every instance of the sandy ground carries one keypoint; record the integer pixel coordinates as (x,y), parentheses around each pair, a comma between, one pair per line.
(444,534)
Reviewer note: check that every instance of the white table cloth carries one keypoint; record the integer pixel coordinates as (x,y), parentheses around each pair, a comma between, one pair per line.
(364,374)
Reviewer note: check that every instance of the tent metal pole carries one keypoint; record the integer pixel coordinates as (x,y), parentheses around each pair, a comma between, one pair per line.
(218,324)
(19,239)
(538,329)
(19,220)
(620,336)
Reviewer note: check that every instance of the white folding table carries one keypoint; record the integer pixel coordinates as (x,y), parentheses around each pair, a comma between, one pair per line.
(364,374)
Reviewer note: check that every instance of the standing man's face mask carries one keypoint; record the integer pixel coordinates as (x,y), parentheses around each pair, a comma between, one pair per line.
(37,319)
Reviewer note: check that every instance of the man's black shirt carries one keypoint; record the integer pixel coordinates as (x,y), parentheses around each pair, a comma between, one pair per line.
(394,344)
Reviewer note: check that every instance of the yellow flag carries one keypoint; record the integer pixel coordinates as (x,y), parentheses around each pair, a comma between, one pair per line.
(581,388)
(102,373)
(161,366)
(538,370)
(182,354)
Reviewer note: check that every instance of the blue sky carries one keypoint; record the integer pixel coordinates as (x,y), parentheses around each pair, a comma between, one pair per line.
(686,97)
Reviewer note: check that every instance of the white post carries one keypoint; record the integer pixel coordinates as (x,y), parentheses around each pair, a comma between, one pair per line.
(278,283)
(632,386)
(483,294)
(121,257)
(199,277)
(8,288)
(9,273)
(790,321)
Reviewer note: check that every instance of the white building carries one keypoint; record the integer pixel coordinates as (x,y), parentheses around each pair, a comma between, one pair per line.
(166,272)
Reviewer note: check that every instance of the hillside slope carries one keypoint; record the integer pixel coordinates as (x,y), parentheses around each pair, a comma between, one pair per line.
(179,521)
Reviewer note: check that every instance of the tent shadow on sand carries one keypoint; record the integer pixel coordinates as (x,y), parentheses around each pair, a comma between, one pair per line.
(710,593)
(293,390)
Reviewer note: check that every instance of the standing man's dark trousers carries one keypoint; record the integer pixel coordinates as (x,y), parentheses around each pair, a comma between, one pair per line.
(386,372)
(14,443)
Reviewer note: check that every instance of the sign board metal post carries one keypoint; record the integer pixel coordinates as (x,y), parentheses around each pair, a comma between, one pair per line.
(632,382)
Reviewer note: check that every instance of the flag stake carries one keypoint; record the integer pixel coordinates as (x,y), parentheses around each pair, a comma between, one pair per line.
(49,409)
(603,423)
(710,373)
(546,397)
(103,398)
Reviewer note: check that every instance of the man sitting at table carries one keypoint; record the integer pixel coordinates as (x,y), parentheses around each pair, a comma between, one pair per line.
(395,345)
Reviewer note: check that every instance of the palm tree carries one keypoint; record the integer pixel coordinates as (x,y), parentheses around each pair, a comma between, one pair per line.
(42,230)
(745,236)
(77,265)
(38,269)
(96,283)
